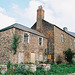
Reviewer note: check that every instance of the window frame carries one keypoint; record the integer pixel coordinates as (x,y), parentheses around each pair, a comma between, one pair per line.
(28,37)
(42,41)
(71,42)
(62,38)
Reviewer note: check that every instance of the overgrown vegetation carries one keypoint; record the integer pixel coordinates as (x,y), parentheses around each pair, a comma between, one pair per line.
(8,65)
(29,63)
(61,69)
(16,41)
(0,70)
(69,55)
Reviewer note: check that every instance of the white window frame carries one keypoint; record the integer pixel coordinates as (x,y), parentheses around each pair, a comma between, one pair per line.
(42,41)
(28,37)
(62,37)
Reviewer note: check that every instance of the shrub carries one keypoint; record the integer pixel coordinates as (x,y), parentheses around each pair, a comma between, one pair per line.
(0,70)
(40,72)
(9,68)
(21,63)
(19,70)
(15,65)
(29,63)
(36,62)
(8,65)
(69,55)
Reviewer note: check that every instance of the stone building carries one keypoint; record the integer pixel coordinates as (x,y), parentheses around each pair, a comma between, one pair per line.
(43,37)
(31,48)
(58,39)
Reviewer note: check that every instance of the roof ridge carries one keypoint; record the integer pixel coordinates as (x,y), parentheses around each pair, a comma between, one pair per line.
(22,27)
(59,28)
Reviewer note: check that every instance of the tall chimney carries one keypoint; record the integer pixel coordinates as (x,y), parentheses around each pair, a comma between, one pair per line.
(40,16)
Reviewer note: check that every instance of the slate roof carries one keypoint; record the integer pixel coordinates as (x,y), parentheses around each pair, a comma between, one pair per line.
(72,33)
(69,33)
(22,27)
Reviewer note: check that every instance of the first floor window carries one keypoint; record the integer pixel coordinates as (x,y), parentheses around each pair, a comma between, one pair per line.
(40,41)
(25,37)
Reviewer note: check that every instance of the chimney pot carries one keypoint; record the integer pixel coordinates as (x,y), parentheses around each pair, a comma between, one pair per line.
(65,29)
(40,7)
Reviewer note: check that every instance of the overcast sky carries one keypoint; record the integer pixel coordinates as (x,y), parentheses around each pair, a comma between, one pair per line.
(58,12)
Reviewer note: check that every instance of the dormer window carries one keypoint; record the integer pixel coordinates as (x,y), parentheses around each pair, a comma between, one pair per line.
(25,37)
(40,41)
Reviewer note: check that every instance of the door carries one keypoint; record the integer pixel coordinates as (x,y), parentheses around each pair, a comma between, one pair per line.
(33,57)
(20,57)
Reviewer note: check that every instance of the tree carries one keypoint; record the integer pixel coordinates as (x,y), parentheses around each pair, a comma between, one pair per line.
(15,43)
(69,55)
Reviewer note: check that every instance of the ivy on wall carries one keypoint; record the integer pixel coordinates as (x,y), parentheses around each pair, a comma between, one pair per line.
(15,43)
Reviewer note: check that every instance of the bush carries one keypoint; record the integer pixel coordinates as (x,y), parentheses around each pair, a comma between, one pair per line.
(69,55)
(15,65)
(9,68)
(8,65)
(40,72)
(19,70)
(61,69)
(36,62)
(29,63)
(0,70)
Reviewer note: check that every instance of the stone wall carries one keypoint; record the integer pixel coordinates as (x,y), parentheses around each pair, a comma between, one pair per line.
(5,45)
(31,47)
(48,31)
(60,46)
(24,50)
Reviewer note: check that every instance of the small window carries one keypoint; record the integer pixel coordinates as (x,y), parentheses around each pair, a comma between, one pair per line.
(40,41)
(62,37)
(25,37)
(71,41)
(74,43)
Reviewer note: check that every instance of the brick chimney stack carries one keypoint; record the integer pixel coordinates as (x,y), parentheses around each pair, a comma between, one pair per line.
(40,16)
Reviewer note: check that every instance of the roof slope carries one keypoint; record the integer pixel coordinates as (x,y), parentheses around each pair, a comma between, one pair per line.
(72,33)
(22,27)
(69,33)
(50,24)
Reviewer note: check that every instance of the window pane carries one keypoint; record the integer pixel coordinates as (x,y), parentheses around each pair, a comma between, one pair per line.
(40,41)
(71,41)
(62,37)
(26,37)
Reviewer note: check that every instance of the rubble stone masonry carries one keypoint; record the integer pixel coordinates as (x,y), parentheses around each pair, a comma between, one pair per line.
(60,46)
(6,38)
(5,45)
